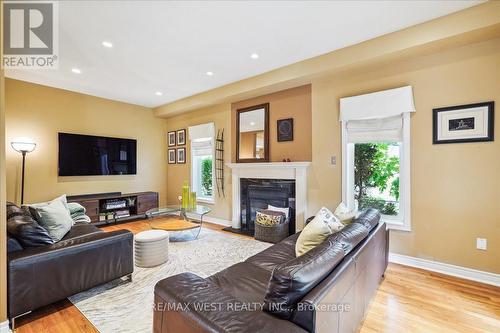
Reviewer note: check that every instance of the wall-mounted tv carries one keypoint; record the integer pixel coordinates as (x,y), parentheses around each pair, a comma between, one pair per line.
(87,155)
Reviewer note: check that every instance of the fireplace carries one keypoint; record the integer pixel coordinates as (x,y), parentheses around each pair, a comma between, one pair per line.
(295,172)
(257,193)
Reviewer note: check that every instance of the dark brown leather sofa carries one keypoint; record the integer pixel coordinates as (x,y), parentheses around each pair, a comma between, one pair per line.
(84,258)
(327,289)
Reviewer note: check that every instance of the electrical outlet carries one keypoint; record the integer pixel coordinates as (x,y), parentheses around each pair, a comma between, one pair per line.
(333,160)
(481,243)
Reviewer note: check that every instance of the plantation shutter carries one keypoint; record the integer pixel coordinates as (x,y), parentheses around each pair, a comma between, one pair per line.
(376,117)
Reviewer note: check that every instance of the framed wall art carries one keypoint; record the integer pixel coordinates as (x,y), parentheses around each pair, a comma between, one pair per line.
(171,138)
(285,129)
(463,123)
(171,156)
(181,155)
(181,137)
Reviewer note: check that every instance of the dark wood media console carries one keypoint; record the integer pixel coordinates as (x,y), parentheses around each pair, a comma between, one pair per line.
(105,208)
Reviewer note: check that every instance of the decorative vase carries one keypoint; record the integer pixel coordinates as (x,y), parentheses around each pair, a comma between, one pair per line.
(192,200)
(185,196)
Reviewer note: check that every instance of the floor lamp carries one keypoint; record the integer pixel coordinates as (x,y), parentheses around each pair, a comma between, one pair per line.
(23,146)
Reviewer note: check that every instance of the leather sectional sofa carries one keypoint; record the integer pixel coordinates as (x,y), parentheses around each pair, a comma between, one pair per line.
(43,274)
(328,289)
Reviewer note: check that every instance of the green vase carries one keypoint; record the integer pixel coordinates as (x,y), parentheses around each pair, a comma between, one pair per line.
(185,196)
(192,200)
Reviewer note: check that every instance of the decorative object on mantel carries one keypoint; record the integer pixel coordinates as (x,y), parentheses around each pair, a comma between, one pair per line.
(463,123)
(219,163)
(181,155)
(171,138)
(285,160)
(23,146)
(285,129)
(181,137)
(171,156)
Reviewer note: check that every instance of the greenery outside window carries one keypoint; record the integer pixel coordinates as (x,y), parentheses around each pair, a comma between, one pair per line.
(202,161)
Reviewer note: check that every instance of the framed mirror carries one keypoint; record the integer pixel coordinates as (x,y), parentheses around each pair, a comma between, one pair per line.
(252,134)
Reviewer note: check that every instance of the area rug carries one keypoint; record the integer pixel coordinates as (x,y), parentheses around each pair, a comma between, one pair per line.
(121,306)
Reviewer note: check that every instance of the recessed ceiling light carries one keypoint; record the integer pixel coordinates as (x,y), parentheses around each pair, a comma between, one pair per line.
(254,56)
(210,73)
(76,70)
(107,44)
(158,93)
(252,123)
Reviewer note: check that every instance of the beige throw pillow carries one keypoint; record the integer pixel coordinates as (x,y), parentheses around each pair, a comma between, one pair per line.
(315,232)
(344,214)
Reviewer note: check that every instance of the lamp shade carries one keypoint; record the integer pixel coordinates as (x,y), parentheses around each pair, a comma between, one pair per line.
(23,145)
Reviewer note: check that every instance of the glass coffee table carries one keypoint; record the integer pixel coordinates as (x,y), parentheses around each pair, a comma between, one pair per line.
(162,218)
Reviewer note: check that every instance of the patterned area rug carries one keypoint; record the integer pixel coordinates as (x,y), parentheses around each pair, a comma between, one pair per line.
(125,307)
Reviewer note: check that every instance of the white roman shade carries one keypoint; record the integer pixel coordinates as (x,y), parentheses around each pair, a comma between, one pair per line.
(201,132)
(376,117)
(201,137)
(380,104)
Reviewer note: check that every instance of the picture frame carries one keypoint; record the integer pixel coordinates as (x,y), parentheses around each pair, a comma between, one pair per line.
(171,141)
(181,137)
(284,129)
(463,123)
(181,155)
(172,156)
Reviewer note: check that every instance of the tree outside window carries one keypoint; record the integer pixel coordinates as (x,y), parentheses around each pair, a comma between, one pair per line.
(376,176)
(206,176)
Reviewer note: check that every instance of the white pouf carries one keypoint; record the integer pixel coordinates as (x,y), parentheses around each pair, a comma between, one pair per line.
(151,248)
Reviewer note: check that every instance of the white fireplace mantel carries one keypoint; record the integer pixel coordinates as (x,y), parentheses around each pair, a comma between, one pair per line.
(274,170)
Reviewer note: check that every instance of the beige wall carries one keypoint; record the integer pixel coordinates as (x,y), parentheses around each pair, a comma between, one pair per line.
(455,187)
(291,103)
(41,112)
(179,173)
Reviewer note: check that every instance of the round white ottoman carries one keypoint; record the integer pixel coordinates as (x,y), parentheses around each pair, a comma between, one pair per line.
(151,248)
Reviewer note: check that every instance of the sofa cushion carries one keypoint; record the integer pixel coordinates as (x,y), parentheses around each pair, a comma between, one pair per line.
(80,230)
(277,254)
(316,231)
(54,217)
(22,226)
(13,245)
(244,281)
(292,280)
(369,218)
(350,236)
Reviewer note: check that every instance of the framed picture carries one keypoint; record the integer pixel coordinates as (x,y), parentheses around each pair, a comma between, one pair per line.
(285,129)
(171,156)
(181,155)
(463,123)
(171,138)
(181,137)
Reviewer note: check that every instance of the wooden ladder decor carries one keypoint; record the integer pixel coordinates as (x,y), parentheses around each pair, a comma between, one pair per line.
(219,163)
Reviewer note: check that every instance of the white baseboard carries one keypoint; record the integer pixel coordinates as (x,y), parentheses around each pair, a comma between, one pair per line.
(217,220)
(4,327)
(439,267)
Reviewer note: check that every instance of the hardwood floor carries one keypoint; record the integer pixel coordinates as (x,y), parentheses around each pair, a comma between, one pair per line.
(408,300)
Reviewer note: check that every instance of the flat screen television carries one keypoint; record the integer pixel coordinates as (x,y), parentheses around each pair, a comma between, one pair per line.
(87,155)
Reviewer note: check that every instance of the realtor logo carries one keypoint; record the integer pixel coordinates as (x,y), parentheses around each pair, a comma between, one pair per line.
(30,38)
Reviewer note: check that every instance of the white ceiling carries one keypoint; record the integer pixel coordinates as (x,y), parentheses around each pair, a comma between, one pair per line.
(169,46)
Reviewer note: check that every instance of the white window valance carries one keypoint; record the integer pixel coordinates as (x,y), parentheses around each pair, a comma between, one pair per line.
(201,132)
(375,130)
(380,104)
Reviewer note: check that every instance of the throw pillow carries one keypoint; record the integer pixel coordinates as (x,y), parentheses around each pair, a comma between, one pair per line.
(316,231)
(22,226)
(279,209)
(345,215)
(269,218)
(54,217)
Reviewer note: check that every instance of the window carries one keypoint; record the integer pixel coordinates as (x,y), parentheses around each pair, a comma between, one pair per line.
(202,161)
(376,151)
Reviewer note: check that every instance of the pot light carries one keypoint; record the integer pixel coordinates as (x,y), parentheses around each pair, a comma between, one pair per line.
(76,71)
(107,44)
(210,73)
(252,123)
(158,93)
(254,56)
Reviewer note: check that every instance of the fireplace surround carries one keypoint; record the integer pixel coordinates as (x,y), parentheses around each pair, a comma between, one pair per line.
(284,171)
